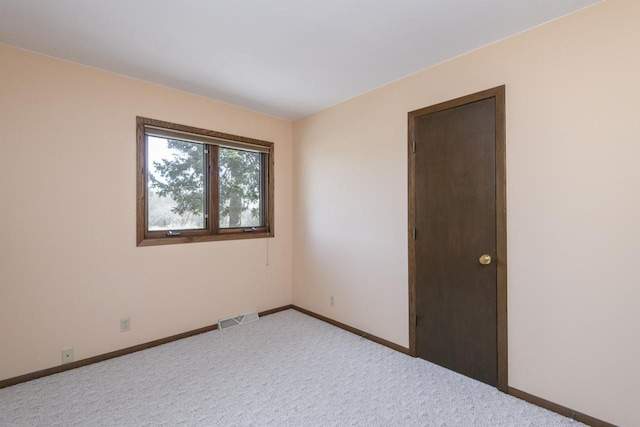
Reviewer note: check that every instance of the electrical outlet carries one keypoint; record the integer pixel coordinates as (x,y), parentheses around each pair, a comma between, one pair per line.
(331,301)
(67,355)
(125,324)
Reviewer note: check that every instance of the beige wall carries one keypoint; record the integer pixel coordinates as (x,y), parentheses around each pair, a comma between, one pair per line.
(69,265)
(573,144)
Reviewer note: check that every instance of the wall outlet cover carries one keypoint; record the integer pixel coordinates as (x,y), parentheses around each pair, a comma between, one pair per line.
(125,324)
(67,355)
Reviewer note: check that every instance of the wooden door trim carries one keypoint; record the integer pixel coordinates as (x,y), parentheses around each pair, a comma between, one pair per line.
(501,221)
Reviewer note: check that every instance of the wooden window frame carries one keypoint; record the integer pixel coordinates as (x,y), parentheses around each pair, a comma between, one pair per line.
(212,231)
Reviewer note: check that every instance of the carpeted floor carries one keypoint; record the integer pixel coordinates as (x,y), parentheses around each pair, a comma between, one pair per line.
(286,369)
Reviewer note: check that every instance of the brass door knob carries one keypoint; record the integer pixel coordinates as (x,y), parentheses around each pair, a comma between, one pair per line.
(485,259)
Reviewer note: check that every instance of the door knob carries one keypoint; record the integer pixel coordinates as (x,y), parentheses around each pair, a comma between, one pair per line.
(485,259)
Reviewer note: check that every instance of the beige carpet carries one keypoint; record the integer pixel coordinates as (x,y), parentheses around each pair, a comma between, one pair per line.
(286,369)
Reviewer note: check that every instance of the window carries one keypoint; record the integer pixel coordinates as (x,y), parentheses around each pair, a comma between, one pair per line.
(198,185)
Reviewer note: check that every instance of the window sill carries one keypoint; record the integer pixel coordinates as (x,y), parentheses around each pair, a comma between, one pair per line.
(203,238)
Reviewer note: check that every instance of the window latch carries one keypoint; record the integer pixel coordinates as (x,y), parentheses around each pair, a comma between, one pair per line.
(249,230)
(172,233)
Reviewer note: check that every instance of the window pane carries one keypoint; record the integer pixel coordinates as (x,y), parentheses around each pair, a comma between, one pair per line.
(240,175)
(176,184)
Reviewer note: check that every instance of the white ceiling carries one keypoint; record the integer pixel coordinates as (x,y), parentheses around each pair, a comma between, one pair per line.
(286,58)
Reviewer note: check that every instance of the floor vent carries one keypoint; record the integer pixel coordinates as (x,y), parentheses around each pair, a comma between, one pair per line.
(230,322)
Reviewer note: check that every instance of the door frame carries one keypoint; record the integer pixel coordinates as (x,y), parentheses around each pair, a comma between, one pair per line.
(501,221)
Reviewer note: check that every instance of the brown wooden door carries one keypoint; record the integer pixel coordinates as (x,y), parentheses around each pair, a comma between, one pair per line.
(456,222)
